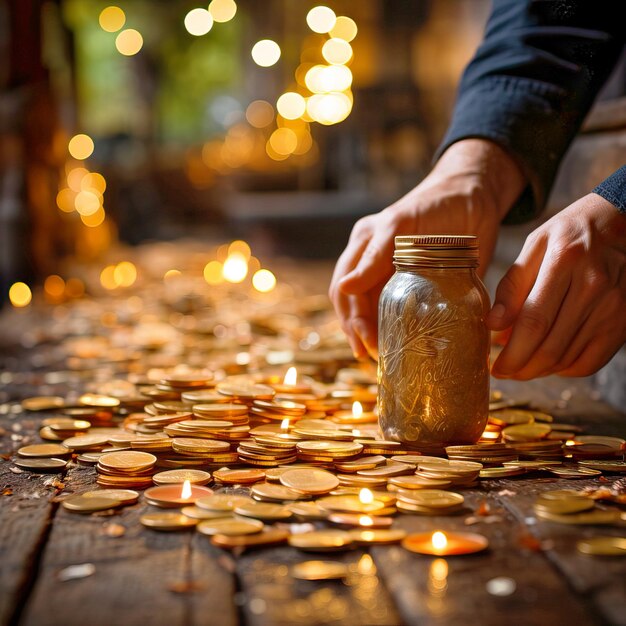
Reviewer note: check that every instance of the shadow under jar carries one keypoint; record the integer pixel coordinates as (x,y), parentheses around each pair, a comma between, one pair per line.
(433,343)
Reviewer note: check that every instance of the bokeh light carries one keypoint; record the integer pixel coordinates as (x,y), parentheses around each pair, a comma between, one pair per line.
(260,113)
(337,51)
(94,182)
(65,200)
(265,52)
(86,203)
(54,286)
(20,295)
(213,273)
(75,178)
(222,10)
(330,108)
(129,42)
(291,105)
(81,147)
(327,78)
(240,247)
(321,19)
(345,28)
(198,22)
(95,219)
(235,268)
(107,277)
(125,274)
(74,288)
(283,141)
(264,281)
(112,19)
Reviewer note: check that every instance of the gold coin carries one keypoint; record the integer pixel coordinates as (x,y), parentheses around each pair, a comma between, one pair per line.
(417,482)
(322,540)
(509,417)
(128,461)
(603,546)
(501,472)
(311,481)
(82,504)
(269,491)
(222,502)
(349,504)
(124,496)
(526,432)
(574,472)
(197,445)
(434,498)
(230,526)
(263,511)
(98,400)
(616,467)
(66,424)
(594,516)
(379,536)
(197,513)
(333,448)
(42,403)
(239,476)
(267,537)
(86,442)
(228,409)
(308,511)
(245,391)
(319,570)
(41,465)
(565,505)
(167,521)
(195,477)
(43,450)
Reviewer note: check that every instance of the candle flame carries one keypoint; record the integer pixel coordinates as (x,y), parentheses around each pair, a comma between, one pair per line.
(366,520)
(570,442)
(186,492)
(357,409)
(291,377)
(439,540)
(284,425)
(366,496)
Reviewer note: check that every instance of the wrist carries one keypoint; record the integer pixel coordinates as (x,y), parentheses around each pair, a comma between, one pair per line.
(489,165)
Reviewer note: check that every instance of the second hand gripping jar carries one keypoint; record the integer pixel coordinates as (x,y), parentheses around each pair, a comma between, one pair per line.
(433,343)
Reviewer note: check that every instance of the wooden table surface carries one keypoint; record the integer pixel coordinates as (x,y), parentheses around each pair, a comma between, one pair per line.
(145,577)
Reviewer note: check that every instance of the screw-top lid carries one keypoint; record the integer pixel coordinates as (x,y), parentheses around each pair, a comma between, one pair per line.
(436,250)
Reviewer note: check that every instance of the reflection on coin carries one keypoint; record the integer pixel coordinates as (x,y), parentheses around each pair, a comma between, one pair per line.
(230,526)
(42,403)
(167,521)
(269,491)
(82,504)
(603,546)
(128,460)
(574,472)
(222,502)
(263,511)
(319,570)
(239,476)
(198,513)
(195,477)
(381,536)
(311,481)
(267,537)
(322,540)
(41,465)
(595,516)
(574,504)
(43,450)
(124,496)
(86,442)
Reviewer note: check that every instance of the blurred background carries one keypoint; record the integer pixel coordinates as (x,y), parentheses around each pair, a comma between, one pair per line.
(278,122)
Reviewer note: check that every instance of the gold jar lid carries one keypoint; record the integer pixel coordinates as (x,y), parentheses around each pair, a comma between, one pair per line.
(435,250)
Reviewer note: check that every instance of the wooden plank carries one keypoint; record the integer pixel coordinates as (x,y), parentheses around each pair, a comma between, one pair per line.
(134,573)
(454,590)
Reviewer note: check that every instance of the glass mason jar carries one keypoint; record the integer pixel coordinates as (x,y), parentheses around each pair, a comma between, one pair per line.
(433,344)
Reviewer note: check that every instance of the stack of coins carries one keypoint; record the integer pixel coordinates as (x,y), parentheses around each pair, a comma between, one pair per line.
(278,410)
(459,473)
(566,506)
(429,502)
(489,454)
(126,469)
(538,450)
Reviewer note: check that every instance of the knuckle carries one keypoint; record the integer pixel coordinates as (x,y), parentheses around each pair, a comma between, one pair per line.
(534,322)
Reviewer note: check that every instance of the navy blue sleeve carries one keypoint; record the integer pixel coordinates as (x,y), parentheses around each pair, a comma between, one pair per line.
(533,80)
(613,189)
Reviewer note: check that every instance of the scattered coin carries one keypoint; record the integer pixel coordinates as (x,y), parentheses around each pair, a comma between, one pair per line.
(319,570)
(603,546)
(82,504)
(167,521)
(230,526)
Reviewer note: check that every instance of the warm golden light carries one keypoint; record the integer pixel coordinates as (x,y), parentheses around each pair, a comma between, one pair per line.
(357,409)
(107,277)
(240,247)
(95,219)
(86,203)
(366,496)
(129,42)
(65,200)
(439,540)
(222,10)
(365,520)
(570,442)
(198,22)
(81,146)
(125,274)
(112,19)
(93,182)
(345,28)
(284,425)
(185,492)
(54,286)
(330,108)
(263,281)
(75,178)
(291,377)
(74,288)
(291,105)
(20,295)
(213,273)
(283,141)
(321,19)
(173,273)
(235,268)
(337,51)
(260,113)
(265,52)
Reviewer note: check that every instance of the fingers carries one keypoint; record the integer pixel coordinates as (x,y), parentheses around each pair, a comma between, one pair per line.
(363,321)
(374,266)
(540,312)
(516,285)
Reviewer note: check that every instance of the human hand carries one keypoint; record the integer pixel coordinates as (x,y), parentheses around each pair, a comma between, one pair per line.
(564,298)
(468,192)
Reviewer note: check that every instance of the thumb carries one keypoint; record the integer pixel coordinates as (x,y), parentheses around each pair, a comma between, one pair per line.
(374,266)
(515,285)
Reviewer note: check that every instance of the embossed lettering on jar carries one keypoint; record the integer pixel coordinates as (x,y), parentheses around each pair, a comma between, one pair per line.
(433,343)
